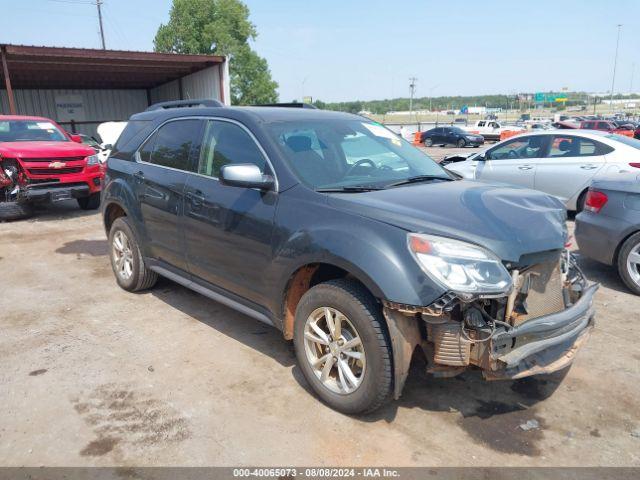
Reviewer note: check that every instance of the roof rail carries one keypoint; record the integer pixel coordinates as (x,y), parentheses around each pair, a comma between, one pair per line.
(288,105)
(184,103)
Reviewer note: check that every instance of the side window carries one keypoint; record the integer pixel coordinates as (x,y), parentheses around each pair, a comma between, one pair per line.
(603,126)
(569,146)
(172,144)
(226,143)
(481,124)
(523,147)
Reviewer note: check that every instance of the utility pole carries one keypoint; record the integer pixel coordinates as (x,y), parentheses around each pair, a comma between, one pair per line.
(412,89)
(615,62)
(98,4)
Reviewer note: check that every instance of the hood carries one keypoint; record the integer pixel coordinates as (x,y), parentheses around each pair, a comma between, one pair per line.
(509,221)
(44,149)
(110,131)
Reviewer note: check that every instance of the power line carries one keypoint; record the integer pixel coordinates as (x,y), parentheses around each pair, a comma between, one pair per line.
(615,63)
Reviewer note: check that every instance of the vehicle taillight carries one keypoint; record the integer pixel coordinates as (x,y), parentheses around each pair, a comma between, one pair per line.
(635,165)
(595,201)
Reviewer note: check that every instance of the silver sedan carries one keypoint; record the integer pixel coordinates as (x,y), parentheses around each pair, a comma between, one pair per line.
(562,163)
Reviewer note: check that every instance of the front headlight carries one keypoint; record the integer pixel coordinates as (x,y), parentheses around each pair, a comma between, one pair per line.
(93,160)
(459,266)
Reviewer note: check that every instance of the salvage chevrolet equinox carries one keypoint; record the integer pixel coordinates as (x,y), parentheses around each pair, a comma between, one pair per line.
(353,243)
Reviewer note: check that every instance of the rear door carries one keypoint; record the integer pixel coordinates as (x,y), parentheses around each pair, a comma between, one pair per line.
(228,229)
(569,166)
(163,162)
(513,161)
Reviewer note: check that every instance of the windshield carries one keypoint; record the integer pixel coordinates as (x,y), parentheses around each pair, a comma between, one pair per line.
(30,131)
(350,153)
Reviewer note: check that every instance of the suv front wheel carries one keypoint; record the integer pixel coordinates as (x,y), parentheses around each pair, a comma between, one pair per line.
(342,346)
(126,259)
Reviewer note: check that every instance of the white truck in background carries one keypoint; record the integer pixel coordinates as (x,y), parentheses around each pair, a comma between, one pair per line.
(489,129)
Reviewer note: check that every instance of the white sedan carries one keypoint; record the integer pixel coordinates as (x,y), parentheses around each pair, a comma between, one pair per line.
(558,162)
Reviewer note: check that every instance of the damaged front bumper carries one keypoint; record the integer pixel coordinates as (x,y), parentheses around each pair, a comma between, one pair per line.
(542,345)
(535,329)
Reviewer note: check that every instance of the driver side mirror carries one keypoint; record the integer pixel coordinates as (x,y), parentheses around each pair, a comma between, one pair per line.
(75,138)
(245,175)
(108,146)
(481,157)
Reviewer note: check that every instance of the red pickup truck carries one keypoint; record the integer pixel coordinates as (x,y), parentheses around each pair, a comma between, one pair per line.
(40,162)
(606,126)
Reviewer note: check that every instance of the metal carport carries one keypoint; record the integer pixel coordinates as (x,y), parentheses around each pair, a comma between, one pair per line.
(81,88)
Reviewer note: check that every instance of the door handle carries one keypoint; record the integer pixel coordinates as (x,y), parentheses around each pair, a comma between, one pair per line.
(588,167)
(195,198)
(138,177)
(525,167)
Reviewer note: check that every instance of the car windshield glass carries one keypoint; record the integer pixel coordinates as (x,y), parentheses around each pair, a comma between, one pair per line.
(30,131)
(632,142)
(332,154)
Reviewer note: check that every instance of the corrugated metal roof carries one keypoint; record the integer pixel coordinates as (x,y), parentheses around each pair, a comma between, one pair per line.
(55,67)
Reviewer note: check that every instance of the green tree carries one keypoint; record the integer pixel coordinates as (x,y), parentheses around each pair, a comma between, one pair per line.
(220,27)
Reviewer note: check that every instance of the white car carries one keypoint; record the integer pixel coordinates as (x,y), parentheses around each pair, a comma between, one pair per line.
(558,162)
(109,133)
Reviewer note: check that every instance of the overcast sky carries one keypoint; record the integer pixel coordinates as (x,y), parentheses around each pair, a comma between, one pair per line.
(367,49)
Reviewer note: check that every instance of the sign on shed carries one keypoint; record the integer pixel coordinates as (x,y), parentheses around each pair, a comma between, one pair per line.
(70,107)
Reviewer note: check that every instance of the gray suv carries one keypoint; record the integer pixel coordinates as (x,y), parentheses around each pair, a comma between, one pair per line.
(356,245)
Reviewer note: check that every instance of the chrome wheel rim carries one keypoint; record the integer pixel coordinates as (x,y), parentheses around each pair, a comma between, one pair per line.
(122,255)
(633,264)
(334,350)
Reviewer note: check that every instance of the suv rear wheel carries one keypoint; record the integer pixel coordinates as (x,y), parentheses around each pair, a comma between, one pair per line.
(342,346)
(91,202)
(629,263)
(126,259)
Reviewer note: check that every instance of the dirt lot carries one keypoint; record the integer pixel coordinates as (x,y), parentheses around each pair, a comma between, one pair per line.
(92,375)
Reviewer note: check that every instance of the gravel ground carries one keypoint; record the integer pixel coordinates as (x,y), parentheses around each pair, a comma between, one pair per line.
(93,375)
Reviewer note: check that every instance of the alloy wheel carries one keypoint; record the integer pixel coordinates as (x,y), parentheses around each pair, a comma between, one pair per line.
(633,264)
(334,350)
(122,255)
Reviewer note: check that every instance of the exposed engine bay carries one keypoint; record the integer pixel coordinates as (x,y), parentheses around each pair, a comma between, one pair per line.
(535,328)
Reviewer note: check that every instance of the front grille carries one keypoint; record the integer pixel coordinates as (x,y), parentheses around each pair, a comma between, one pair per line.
(54,159)
(55,171)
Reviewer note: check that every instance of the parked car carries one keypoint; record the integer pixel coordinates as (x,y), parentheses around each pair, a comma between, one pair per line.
(358,262)
(109,133)
(40,162)
(561,163)
(608,229)
(606,126)
(450,136)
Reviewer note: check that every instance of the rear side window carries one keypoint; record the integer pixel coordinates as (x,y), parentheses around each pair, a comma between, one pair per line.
(173,144)
(569,146)
(226,143)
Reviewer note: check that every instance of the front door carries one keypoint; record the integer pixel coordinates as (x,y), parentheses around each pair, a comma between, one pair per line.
(513,161)
(163,162)
(229,229)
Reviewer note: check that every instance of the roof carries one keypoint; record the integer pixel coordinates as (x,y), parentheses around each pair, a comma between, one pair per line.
(10,118)
(55,67)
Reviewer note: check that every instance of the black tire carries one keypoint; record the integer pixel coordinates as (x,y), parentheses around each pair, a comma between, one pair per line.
(581,201)
(141,277)
(627,247)
(14,211)
(91,202)
(357,304)
(461,143)
(428,142)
